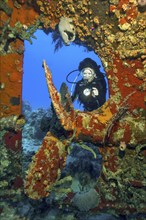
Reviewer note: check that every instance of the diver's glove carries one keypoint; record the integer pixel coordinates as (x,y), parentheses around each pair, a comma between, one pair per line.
(95,92)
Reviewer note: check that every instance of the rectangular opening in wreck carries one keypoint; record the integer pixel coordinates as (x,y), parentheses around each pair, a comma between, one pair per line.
(36,99)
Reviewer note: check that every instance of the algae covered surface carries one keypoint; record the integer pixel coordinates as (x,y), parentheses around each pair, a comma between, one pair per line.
(89,165)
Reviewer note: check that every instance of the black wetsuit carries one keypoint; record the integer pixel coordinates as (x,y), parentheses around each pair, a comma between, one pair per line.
(91,102)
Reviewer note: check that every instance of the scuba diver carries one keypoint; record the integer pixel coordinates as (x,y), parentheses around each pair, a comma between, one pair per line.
(91,89)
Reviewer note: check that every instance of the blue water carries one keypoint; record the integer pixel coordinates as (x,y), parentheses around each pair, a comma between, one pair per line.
(61,63)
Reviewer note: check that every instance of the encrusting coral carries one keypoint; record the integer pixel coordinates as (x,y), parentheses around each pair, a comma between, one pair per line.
(90,125)
(115,31)
(45,168)
(12,123)
(51,157)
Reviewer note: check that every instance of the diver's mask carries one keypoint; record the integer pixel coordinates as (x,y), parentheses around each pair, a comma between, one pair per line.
(88,74)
